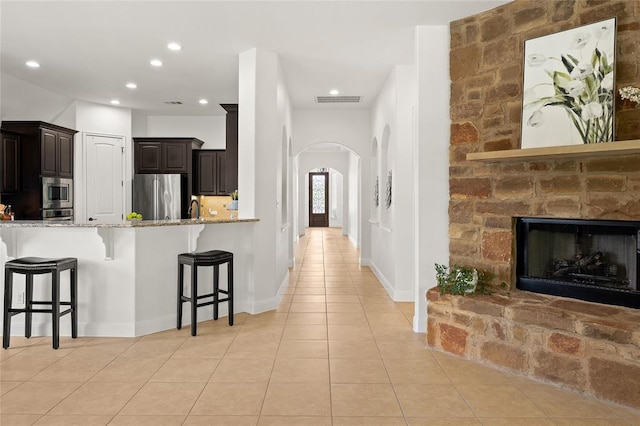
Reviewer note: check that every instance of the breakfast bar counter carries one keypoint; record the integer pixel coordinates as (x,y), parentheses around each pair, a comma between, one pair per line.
(127,272)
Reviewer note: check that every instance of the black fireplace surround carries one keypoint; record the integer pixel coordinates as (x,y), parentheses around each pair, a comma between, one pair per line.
(592,260)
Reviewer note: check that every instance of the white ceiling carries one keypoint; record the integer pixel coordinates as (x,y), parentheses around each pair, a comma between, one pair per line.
(90,49)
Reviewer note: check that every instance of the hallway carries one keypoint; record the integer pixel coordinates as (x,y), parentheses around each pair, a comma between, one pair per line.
(337,351)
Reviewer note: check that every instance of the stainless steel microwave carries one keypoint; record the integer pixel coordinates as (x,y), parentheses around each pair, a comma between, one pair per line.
(57,193)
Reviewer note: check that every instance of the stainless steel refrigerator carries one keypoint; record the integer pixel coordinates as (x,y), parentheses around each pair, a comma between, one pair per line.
(157,196)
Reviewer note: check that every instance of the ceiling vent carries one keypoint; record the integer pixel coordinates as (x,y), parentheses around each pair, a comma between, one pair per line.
(338,99)
(173,102)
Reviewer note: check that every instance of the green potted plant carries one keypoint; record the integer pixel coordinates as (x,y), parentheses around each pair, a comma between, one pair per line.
(233,205)
(462,280)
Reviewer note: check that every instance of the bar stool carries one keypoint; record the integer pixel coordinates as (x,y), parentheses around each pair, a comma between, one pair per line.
(30,266)
(213,258)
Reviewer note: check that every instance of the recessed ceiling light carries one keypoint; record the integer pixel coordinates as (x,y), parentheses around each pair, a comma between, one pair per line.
(203,101)
(174,46)
(156,62)
(132,85)
(115,102)
(33,64)
(334,92)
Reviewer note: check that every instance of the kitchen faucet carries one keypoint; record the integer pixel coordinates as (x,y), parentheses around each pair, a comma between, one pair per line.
(197,208)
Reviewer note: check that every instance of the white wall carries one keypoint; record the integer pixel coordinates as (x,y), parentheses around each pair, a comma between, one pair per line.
(21,100)
(356,214)
(412,114)
(432,160)
(350,128)
(209,129)
(393,251)
(385,129)
(336,201)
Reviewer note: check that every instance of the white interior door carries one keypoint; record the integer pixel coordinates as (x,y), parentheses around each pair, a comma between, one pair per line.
(104,178)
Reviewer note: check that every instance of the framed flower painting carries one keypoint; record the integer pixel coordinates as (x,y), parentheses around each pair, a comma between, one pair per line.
(568,90)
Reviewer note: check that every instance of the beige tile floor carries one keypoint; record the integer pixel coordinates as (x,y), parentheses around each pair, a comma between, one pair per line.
(337,351)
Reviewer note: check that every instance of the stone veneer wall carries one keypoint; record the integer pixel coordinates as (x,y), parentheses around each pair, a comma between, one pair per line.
(586,346)
(486,105)
(525,333)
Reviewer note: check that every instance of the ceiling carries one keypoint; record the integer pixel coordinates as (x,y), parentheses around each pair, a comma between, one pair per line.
(89,50)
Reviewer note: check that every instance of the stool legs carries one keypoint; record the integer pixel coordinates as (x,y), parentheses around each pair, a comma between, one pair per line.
(194,300)
(180,292)
(230,290)
(74,302)
(6,317)
(216,290)
(55,307)
(28,304)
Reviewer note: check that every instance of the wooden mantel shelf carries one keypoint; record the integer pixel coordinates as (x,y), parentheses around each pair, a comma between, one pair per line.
(553,152)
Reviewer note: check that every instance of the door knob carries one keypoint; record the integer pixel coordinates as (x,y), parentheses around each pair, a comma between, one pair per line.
(92,219)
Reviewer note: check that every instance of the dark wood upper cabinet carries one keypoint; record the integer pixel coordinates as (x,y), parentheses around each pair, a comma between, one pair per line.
(49,152)
(231,162)
(45,150)
(10,162)
(209,172)
(164,155)
(174,157)
(148,157)
(65,155)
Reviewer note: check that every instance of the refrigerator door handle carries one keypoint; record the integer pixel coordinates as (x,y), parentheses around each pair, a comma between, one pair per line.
(155,198)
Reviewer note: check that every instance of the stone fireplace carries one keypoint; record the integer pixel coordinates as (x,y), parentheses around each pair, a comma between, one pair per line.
(591,347)
(593,260)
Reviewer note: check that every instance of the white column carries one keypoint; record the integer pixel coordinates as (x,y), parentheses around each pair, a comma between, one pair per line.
(432,161)
(259,141)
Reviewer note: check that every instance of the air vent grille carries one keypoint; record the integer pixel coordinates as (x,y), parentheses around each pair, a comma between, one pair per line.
(173,102)
(338,99)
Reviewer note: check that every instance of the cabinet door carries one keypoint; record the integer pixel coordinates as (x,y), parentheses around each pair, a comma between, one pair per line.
(205,173)
(65,155)
(174,157)
(231,178)
(221,166)
(9,159)
(49,153)
(148,157)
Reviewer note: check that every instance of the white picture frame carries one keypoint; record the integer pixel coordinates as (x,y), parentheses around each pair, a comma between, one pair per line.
(568,87)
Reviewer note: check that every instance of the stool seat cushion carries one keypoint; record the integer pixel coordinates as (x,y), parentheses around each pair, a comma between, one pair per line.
(41,263)
(205,258)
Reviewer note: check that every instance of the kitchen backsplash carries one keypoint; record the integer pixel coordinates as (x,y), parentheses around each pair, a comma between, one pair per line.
(214,206)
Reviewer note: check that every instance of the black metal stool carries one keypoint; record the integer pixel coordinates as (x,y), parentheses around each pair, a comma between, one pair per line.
(213,258)
(30,266)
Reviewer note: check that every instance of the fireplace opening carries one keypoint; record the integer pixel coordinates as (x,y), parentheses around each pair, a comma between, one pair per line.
(593,260)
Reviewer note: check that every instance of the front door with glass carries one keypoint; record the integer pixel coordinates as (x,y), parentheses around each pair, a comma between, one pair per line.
(318,199)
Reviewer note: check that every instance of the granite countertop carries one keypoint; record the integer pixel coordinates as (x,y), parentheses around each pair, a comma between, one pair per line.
(123,224)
